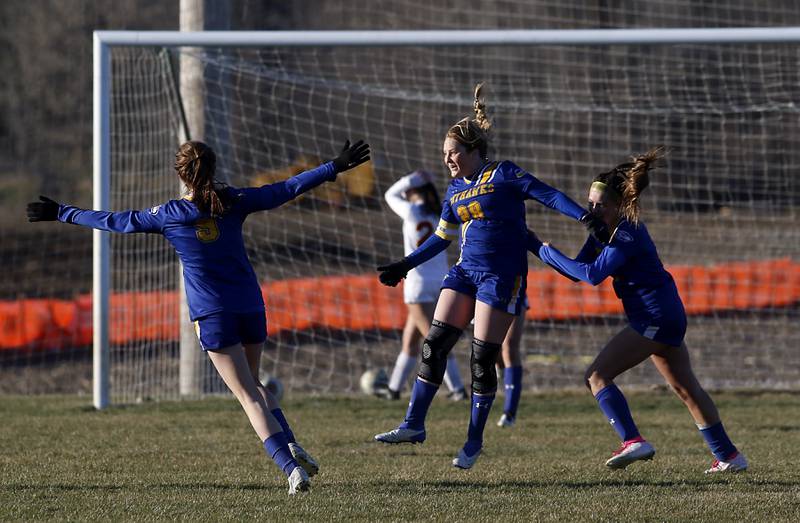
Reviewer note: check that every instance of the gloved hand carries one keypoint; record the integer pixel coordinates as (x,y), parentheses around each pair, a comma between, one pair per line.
(351,156)
(596,227)
(44,211)
(392,273)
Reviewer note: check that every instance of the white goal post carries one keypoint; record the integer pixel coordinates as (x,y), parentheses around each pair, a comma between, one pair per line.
(105,41)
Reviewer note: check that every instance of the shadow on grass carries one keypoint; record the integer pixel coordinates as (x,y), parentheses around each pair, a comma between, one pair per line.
(155,486)
(448,485)
(411,486)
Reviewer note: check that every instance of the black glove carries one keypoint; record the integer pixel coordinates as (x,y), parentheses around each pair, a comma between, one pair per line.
(44,211)
(596,227)
(351,156)
(392,273)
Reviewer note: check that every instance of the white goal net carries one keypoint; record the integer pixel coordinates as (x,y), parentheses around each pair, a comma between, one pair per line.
(723,210)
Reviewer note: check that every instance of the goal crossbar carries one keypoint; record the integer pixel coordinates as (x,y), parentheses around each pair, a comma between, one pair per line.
(731,35)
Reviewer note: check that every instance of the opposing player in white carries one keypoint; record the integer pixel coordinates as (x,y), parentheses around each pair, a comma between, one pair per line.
(414,199)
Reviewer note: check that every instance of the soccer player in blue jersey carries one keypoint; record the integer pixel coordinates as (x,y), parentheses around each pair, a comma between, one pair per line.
(657,320)
(223,293)
(487,200)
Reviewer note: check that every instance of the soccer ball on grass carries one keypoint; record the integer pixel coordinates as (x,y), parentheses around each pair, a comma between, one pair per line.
(373,380)
(272,384)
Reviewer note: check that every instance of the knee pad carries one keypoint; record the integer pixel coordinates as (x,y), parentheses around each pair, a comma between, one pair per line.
(440,339)
(481,364)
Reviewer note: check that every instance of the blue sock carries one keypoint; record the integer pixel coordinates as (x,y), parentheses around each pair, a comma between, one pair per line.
(718,441)
(481,405)
(284,425)
(614,406)
(278,449)
(421,397)
(512,380)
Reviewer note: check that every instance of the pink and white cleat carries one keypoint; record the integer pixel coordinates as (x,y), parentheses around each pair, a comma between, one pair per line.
(632,450)
(735,463)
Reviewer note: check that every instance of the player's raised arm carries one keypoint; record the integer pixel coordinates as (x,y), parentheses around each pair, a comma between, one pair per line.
(543,193)
(124,222)
(609,260)
(276,194)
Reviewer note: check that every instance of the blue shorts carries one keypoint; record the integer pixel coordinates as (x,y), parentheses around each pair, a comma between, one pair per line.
(667,332)
(658,315)
(503,292)
(668,327)
(224,329)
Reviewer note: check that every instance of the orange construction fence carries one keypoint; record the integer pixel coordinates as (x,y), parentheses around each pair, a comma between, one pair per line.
(360,302)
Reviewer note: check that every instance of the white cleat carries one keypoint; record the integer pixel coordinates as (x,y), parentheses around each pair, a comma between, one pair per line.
(465,462)
(506,421)
(736,463)
(298,481)
(303,459)
(400,435)
(630,451)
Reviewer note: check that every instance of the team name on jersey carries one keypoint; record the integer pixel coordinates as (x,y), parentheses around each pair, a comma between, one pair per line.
(474,191)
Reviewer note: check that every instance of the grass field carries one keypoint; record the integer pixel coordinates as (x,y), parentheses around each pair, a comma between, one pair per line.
(200,461)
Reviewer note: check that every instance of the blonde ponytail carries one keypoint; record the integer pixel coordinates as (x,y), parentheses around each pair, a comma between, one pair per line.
(474,133)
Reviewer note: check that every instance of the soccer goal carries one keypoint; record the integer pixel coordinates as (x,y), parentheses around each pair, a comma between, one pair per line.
(565,104)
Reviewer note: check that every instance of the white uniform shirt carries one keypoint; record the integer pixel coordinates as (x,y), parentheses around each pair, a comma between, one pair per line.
(423,282)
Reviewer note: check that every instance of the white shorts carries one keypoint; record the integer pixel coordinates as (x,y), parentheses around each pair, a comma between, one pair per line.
(419,290)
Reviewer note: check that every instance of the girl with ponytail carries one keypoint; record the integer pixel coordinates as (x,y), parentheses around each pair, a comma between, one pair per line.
(485,200)
(222,290)
(196,165)
(656,316)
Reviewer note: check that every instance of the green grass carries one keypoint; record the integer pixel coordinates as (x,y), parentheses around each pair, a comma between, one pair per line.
(201,461)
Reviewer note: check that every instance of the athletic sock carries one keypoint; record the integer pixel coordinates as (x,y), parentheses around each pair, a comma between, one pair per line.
(452,378)
(421,397)
(512,385)
(278,449)
(615,407)
(481,405)
(284,425)
(402,368)
(718,441)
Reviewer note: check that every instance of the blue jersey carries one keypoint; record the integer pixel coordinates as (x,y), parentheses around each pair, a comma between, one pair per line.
(490,209)
(216,270)
(646,289)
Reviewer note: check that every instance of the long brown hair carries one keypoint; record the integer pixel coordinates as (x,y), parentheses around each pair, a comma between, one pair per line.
(196,165)
(473,133)
(627,181)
